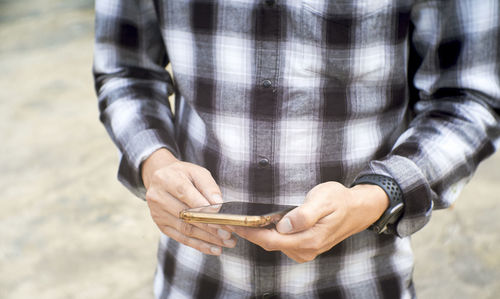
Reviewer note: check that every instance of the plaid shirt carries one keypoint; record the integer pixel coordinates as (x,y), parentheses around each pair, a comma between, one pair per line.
(275,97)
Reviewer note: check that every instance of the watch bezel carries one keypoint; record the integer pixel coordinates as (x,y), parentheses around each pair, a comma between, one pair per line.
(390,216)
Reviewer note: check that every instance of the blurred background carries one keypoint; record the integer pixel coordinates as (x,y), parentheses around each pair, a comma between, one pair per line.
(68,229)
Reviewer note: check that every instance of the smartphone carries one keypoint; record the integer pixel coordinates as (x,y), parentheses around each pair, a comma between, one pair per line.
(237,213)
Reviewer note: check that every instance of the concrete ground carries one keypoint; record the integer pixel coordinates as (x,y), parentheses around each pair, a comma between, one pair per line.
(69,230)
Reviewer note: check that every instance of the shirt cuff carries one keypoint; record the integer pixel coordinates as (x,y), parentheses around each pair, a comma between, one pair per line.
(417,194)
(138,149)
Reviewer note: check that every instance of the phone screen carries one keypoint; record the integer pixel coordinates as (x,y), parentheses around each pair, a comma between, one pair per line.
(243,208)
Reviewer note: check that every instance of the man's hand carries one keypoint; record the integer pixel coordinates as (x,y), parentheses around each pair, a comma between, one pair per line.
(172,186)
(330,214)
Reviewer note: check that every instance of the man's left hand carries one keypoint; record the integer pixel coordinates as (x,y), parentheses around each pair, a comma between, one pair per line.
(330,214)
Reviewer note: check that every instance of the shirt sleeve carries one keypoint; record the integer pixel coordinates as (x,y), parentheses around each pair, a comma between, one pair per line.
(456,117)
(132,84)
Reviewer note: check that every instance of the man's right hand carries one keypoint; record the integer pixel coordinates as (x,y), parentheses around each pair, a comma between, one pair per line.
(173,185)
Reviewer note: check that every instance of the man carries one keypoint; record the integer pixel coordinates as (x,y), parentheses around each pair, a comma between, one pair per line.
(367,114)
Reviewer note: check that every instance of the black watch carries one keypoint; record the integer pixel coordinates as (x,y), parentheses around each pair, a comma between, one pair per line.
(387,222)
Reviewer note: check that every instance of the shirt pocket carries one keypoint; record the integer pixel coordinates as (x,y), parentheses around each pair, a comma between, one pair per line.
(332,32)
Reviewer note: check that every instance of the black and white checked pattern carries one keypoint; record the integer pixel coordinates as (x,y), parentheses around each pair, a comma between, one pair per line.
(324,90)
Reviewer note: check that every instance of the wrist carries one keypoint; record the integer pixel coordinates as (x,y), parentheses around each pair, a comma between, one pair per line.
(372,198)
(158,159)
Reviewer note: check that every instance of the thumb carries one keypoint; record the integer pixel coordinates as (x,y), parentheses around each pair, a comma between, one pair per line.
(300,219)
(317,205)
(205,183)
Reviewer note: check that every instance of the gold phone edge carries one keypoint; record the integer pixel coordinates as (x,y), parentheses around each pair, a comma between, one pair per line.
(225,219)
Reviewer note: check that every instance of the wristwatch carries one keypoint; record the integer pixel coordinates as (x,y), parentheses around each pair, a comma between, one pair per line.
(387,222)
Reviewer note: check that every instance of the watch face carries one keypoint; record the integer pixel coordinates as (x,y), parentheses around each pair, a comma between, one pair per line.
(390,216)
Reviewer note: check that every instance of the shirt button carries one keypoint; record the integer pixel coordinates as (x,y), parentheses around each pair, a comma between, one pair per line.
(263,162)
(267,83)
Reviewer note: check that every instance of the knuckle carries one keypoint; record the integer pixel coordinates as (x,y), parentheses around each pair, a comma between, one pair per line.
(177,165)
(155,177)
(180,164)
(203,226)
(302,219)
(333,185)
(205,171)
(180,191)
(303,216)
(299,214)
(299,259)
(151,194)
(308,257)
(186,229)
(214,240)
(158,177)
(206,228)
(183,239)
(265,247)
(268,245)
(325,187)
(305,256)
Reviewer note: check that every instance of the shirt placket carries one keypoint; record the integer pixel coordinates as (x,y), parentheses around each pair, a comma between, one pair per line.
(264,175)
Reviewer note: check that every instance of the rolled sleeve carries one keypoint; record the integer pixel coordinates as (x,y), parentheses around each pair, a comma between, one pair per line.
(456,123)
(132,84)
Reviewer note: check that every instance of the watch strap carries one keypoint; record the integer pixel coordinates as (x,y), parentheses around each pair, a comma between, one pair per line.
(387,222)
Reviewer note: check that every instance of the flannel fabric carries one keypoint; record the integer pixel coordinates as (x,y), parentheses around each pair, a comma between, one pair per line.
(277,96)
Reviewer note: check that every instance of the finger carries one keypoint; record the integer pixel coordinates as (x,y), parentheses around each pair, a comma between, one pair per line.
(306,215)
(193,231)
(301,247)
(180,186)
(205,183)
(192,242)
(220,233)
(177,206)
(171,206)
(214,230)
(296,256)
(269,239)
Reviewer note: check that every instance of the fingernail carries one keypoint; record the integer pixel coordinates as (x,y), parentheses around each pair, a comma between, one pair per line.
(224,234)
(284,226)
(229,243)
(217,198)
(215,250)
